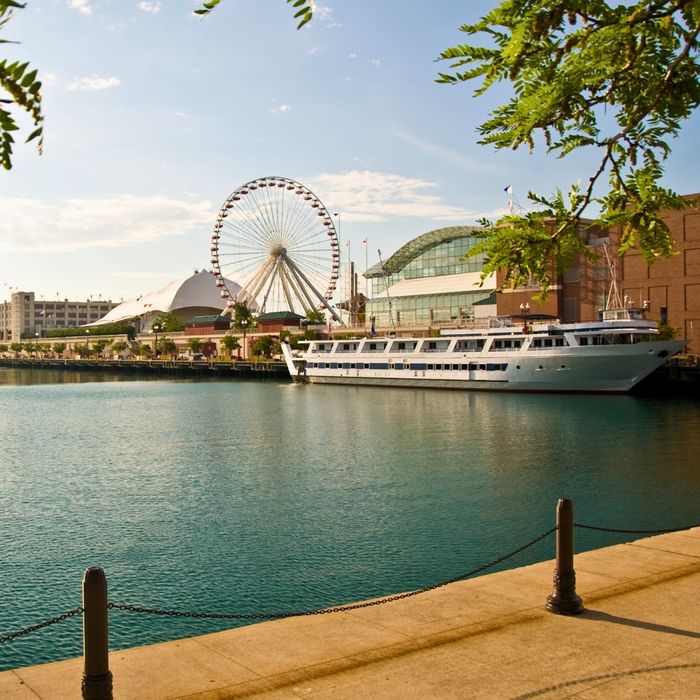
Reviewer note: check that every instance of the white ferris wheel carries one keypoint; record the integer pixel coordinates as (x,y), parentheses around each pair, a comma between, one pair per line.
(276,241)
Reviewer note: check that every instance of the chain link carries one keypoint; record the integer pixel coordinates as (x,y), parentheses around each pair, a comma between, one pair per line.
(324,611)
(635,532)
(34,628)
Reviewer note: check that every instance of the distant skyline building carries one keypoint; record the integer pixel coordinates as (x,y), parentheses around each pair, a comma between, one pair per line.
(25,316)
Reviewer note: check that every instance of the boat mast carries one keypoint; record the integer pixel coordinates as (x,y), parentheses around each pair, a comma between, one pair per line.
(613,300)
(386,280)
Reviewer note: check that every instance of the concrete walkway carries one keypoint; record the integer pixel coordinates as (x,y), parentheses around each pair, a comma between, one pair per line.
(488,637)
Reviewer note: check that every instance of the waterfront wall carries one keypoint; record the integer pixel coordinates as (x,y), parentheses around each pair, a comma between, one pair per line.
(173,368)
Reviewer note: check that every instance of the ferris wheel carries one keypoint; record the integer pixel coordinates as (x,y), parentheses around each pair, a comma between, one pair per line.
(275,248)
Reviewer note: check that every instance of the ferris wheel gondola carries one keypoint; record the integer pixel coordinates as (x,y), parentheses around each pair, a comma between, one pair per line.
(275,239)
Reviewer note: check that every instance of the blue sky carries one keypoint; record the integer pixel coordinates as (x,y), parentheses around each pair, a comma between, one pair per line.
(154,116)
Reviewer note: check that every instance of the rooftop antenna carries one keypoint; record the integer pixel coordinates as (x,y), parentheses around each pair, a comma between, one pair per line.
(386,279)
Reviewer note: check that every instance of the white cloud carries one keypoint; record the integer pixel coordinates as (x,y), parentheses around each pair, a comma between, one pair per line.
(375,62)
(323,13)
(83,6)
(151,7)
(93,82)
(352,55)
(371,196)
(39,227)
(281,109)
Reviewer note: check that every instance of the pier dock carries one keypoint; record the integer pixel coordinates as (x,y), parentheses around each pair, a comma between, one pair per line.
(250,369)
(486,637)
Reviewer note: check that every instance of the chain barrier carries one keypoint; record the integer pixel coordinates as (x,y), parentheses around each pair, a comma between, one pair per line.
(47,623)
(635,532)
(340,608)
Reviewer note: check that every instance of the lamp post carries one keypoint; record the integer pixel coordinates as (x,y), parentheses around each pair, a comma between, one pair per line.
(244,324)
(87,341)
(156,328)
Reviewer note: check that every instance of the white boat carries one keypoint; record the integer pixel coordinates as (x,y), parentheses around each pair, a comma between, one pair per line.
(606,356)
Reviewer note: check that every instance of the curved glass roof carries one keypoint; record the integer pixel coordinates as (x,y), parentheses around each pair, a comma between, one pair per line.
(418,245)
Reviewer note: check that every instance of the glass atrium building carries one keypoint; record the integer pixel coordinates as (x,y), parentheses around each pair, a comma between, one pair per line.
(429,282)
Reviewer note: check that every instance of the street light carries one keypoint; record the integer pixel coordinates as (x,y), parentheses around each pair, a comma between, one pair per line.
(156,328)
(87,340)
(244,324)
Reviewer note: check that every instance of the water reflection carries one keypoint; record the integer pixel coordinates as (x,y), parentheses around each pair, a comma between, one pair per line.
(238,496)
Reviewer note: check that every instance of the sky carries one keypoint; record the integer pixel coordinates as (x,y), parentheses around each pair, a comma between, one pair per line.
(154,116)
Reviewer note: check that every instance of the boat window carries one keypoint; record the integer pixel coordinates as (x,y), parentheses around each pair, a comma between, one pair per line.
(471,345)
(455,367)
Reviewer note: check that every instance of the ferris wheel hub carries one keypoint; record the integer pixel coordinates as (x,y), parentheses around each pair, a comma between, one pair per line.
(278,250)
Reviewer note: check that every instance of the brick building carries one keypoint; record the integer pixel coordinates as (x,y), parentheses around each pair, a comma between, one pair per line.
(671,286)
(669,289)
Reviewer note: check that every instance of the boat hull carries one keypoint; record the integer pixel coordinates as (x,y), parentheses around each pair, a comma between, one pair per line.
(602,369)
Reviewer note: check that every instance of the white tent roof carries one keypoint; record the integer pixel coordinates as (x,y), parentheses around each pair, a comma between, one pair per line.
(196,291)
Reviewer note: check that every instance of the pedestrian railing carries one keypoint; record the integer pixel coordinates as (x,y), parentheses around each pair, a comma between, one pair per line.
(97,678)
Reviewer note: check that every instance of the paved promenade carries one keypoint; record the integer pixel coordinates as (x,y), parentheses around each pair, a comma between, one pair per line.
(487,637)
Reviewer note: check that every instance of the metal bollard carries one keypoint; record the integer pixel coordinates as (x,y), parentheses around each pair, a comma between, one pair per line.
(563,599)
(97,678)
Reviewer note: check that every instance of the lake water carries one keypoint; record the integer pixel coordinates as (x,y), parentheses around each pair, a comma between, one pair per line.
(244,497)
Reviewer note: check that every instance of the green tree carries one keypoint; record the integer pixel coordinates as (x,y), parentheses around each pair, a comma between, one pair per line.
(83,350)
(99,345)
(167,323)
(118,346)
(265,346)
(16,348)
(3,347)
(59,348)
(167,347)
(19,88)
(315,316)
(230,343)
(241,316)
(304,9)
(195,345)
(618,79)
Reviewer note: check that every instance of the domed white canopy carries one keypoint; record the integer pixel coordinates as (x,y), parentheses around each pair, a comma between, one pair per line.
(196,295)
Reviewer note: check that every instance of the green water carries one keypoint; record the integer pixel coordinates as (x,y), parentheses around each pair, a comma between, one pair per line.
(231,496)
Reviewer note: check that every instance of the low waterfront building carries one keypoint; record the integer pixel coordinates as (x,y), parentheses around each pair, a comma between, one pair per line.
(199,325)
